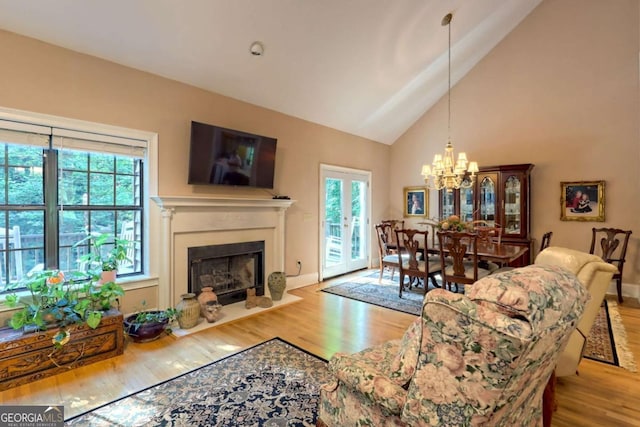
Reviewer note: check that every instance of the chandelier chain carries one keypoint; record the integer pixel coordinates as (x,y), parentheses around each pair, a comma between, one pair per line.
(449,87)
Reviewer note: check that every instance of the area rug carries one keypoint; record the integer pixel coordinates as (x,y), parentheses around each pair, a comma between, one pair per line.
(271,384)
(607,341)
(367,288)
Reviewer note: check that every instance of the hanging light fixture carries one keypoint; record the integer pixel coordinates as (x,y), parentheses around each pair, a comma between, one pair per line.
(444,172)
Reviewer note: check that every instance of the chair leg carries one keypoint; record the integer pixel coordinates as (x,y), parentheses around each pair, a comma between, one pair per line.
(401,285)
(619,286)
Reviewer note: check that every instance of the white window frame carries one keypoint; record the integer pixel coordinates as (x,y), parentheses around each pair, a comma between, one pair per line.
(150,180)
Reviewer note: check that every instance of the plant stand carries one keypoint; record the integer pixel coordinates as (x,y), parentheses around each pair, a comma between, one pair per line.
(29,357)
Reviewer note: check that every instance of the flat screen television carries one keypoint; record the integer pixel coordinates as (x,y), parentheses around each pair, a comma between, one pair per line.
(221,156)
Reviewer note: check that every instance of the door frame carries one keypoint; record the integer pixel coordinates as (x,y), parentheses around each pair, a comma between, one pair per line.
(324,167)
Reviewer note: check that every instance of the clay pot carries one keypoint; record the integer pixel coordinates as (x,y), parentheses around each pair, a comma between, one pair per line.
(206,298)
(277,283)
(189,309)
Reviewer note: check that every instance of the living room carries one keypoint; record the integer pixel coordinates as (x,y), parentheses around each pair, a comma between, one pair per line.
(560,91)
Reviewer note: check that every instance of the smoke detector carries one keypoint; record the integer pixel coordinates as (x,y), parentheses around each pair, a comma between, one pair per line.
(256,49)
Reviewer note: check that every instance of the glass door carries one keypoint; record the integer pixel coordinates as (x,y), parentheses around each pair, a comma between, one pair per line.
(512,206)
(345,224)
(488,198)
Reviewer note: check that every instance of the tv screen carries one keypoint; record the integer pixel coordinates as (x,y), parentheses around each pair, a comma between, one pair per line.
(223,156)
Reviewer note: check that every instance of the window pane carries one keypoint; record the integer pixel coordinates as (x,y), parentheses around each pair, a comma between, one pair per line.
(21,244)
(102,162)
(3,188)
(73,160)
(125,190)
(25,156)
(101,192)
(103,222)
(73,188)
(26,186)
(124,165)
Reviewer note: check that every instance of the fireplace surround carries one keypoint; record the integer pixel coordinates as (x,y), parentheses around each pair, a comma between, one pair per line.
(188,221)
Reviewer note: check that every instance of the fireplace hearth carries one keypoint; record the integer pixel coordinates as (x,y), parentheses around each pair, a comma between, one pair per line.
(230,269)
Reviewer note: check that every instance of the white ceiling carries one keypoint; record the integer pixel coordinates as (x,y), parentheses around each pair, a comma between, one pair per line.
(367,67)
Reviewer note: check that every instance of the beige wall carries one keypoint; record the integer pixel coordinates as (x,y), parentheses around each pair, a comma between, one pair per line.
(42,78)
(560,91)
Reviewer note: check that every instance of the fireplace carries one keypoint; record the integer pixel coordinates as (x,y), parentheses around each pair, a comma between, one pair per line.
(230,269)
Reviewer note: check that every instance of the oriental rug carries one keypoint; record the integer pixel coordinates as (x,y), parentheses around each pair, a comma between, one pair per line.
(271,384)
(607,341)
(384,293)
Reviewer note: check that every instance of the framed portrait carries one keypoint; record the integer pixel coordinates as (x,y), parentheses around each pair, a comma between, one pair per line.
(416,201)
(582,201)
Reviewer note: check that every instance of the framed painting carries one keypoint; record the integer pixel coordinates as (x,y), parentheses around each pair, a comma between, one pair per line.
(416,201)
(582,201)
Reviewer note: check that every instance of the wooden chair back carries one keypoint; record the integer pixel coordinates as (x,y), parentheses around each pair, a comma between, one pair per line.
(487,233)
(394,224)
(457,251)
(611,251)
(546,240)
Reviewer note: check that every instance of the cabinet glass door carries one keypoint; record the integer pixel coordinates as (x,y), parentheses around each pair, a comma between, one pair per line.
(466,202)
(488,200)
(447,207)
(512,207)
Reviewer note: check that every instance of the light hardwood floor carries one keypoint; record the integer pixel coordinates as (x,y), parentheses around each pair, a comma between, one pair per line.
(321,323)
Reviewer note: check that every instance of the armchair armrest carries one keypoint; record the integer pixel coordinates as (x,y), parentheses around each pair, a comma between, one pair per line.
(370,382)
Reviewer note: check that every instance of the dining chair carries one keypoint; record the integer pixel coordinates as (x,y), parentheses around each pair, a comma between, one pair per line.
(395,224)
(418,266)
(546,240)
(459,258)
(611,251)
(389,256)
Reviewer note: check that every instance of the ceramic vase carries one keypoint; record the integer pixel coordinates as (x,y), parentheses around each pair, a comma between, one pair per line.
(206,298)
(189,309)
(108,276)
(277,283)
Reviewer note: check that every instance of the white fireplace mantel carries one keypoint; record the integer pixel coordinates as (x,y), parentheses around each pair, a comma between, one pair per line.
(188,220)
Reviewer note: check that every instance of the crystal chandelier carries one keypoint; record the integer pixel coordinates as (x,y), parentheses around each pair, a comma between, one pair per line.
(444,172)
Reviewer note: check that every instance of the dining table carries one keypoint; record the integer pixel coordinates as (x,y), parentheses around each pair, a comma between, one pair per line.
(501,253)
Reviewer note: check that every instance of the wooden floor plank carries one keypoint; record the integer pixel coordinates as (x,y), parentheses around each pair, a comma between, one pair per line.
(322,324)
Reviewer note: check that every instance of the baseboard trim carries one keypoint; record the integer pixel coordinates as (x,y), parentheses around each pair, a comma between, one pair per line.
(294,282)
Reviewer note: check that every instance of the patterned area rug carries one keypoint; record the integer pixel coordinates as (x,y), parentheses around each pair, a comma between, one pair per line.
(271,384)
(607,340)
(384,293)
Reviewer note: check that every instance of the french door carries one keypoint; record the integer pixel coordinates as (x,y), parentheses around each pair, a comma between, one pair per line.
(344,242)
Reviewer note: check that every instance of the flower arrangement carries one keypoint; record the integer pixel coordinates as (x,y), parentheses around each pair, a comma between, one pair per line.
(453,223)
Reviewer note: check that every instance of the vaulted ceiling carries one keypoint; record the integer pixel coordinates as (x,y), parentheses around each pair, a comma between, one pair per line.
(367,67)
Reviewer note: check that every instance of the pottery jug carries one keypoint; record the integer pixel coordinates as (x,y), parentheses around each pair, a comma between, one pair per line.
(277,283)
(189,309)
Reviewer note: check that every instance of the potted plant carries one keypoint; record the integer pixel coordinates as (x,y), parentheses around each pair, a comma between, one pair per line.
(57,300)
(104,263)
(148,325)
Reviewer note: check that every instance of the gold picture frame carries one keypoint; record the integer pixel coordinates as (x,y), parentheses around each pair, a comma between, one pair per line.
(582,201)
(416,202)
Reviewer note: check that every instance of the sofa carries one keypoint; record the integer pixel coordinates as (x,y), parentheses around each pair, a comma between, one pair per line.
(595,275)
(482,358)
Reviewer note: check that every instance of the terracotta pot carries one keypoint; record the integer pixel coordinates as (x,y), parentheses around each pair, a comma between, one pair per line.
(108,276)
(206,298)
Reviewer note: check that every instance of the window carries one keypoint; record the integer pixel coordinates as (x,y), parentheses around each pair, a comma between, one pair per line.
(57,185)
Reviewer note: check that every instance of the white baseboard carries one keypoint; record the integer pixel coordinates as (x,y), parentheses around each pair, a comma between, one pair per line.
(629,290)
(294,282)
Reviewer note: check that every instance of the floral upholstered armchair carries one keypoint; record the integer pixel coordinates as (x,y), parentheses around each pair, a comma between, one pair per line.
(482,358)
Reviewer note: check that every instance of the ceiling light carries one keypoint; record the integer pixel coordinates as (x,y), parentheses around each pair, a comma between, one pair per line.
(444,172)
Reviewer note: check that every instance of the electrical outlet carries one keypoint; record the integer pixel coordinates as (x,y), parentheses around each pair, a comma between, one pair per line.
(299,263)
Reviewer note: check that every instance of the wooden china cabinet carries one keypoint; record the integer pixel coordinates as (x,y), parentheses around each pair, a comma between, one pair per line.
(500,196)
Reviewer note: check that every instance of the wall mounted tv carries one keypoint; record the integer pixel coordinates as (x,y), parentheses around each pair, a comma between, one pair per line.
(229,157)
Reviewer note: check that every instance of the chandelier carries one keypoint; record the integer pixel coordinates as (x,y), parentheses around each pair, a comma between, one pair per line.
(444,172)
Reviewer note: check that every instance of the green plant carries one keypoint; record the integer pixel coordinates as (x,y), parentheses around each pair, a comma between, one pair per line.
(148,317)
(60,300)
(101,258)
